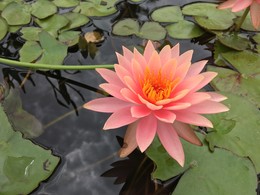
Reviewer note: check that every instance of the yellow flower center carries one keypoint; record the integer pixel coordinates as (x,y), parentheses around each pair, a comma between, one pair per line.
(156,86)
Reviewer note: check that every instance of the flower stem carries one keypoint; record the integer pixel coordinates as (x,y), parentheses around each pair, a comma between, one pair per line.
(242,19)
(53,67)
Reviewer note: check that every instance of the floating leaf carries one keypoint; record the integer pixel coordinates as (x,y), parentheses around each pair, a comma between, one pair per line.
(126,27)
(152,30)
(3,28)
(205,172)
(69,38)
(31,33)
(167,14)
(184,30)
(234,41)
(43,8)
(244,139)
(23,164)
(16,14)
(208,16)
(14,29)
(66,3)
(30,51)
(257,38)
(76,20)
(246,82)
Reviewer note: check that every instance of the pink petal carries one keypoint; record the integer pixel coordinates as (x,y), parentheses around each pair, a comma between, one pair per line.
(107,104)
(148,51)
(171,142)
(140,111)
(121,72)
(185,58)
(129,141)
(155,63)
(165,54)
(208,76)
(189,83)
(110,76)
(196,68)
(216,96)
(140,59)
(113,90)
(195,98)
(128,54)
(227,4)
(146,130)
(180,94)
(148,104)
(169,69)
(192,118)
(124,62)
(177,106)
(186,132)
(165,116)
(208,107)
(130,96)
(182,70)
(137,71)
(175,51)
(132,85)
(119,118)
(255,14)
(241,4)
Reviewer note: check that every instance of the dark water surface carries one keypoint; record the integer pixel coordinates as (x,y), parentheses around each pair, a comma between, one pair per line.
(86,150)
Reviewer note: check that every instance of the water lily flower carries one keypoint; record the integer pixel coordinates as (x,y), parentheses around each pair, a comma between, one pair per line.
(157,93)
(238,5)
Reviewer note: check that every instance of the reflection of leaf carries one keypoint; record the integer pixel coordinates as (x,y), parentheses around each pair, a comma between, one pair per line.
(20,119)
(23,165)
(244,139)
(220,172)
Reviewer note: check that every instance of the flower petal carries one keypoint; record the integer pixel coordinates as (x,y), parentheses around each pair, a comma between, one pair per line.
(195,98)
(128,54)
(129,141)
(165,54)
(227,4)
(155,63)
(137,70)
(171,142)
(208,76)
(241,4)
(208,107)
(132,85)
(119,118)
(124,62)
(107,104)
(255,14)
(148,104)
(192,118)
(148,51)
(110,76)
(190,83)
(113,90)
(185,58)
(169,69)
(177,106)
(165,116)
(216,97)
(196,68)
(175,51)
(140,59)
(140,111)
(187,133)
(145,132)
(130,96)
(121,72)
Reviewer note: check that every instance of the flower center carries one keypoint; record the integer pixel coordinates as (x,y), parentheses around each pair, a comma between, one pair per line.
(156,86)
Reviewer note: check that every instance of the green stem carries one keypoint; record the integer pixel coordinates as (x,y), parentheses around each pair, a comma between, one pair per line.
(242,19)
(53,67)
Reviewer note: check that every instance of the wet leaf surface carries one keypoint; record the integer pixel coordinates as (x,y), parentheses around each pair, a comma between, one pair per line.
(167,14)
(43,9)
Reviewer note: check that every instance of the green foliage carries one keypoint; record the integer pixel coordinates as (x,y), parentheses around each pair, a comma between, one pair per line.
(234,41)
(167,14)
(3,28)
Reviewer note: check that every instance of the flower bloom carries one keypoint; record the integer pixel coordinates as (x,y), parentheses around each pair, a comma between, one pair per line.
(238,5)
(157,93)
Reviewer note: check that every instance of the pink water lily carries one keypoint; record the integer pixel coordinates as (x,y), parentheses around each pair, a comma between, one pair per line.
(238,5)
(157,93)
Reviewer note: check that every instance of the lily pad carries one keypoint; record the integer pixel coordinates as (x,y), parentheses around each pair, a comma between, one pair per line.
(126,27)
(23,165)
(205,172)
(167,14)
(69,38)
(17,13)
(14,29)
(43,9)
(184,30)
(66,3)
(75,20)
(31,33)
(152,30)
(257,38)
(208,16)
(244,139)
(234,41)
(3,28)
(30,51)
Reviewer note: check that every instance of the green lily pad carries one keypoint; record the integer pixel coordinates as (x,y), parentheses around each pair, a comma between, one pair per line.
(244,139)
(76,20)
(126,27)
(205,172)
(234,41)
(17,13)
(30,51)
(245,83)
(54,52)
(14,29)
(66,3)
(152,30)
(96,7)
(208,16)
(23,165)
(3,28)
(43,9)
(30,33)
(218,50)
(167,14)
(53,23)
(69,38)
(257,38)
(184,30)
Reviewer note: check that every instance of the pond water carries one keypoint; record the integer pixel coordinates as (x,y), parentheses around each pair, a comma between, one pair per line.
(73,133)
